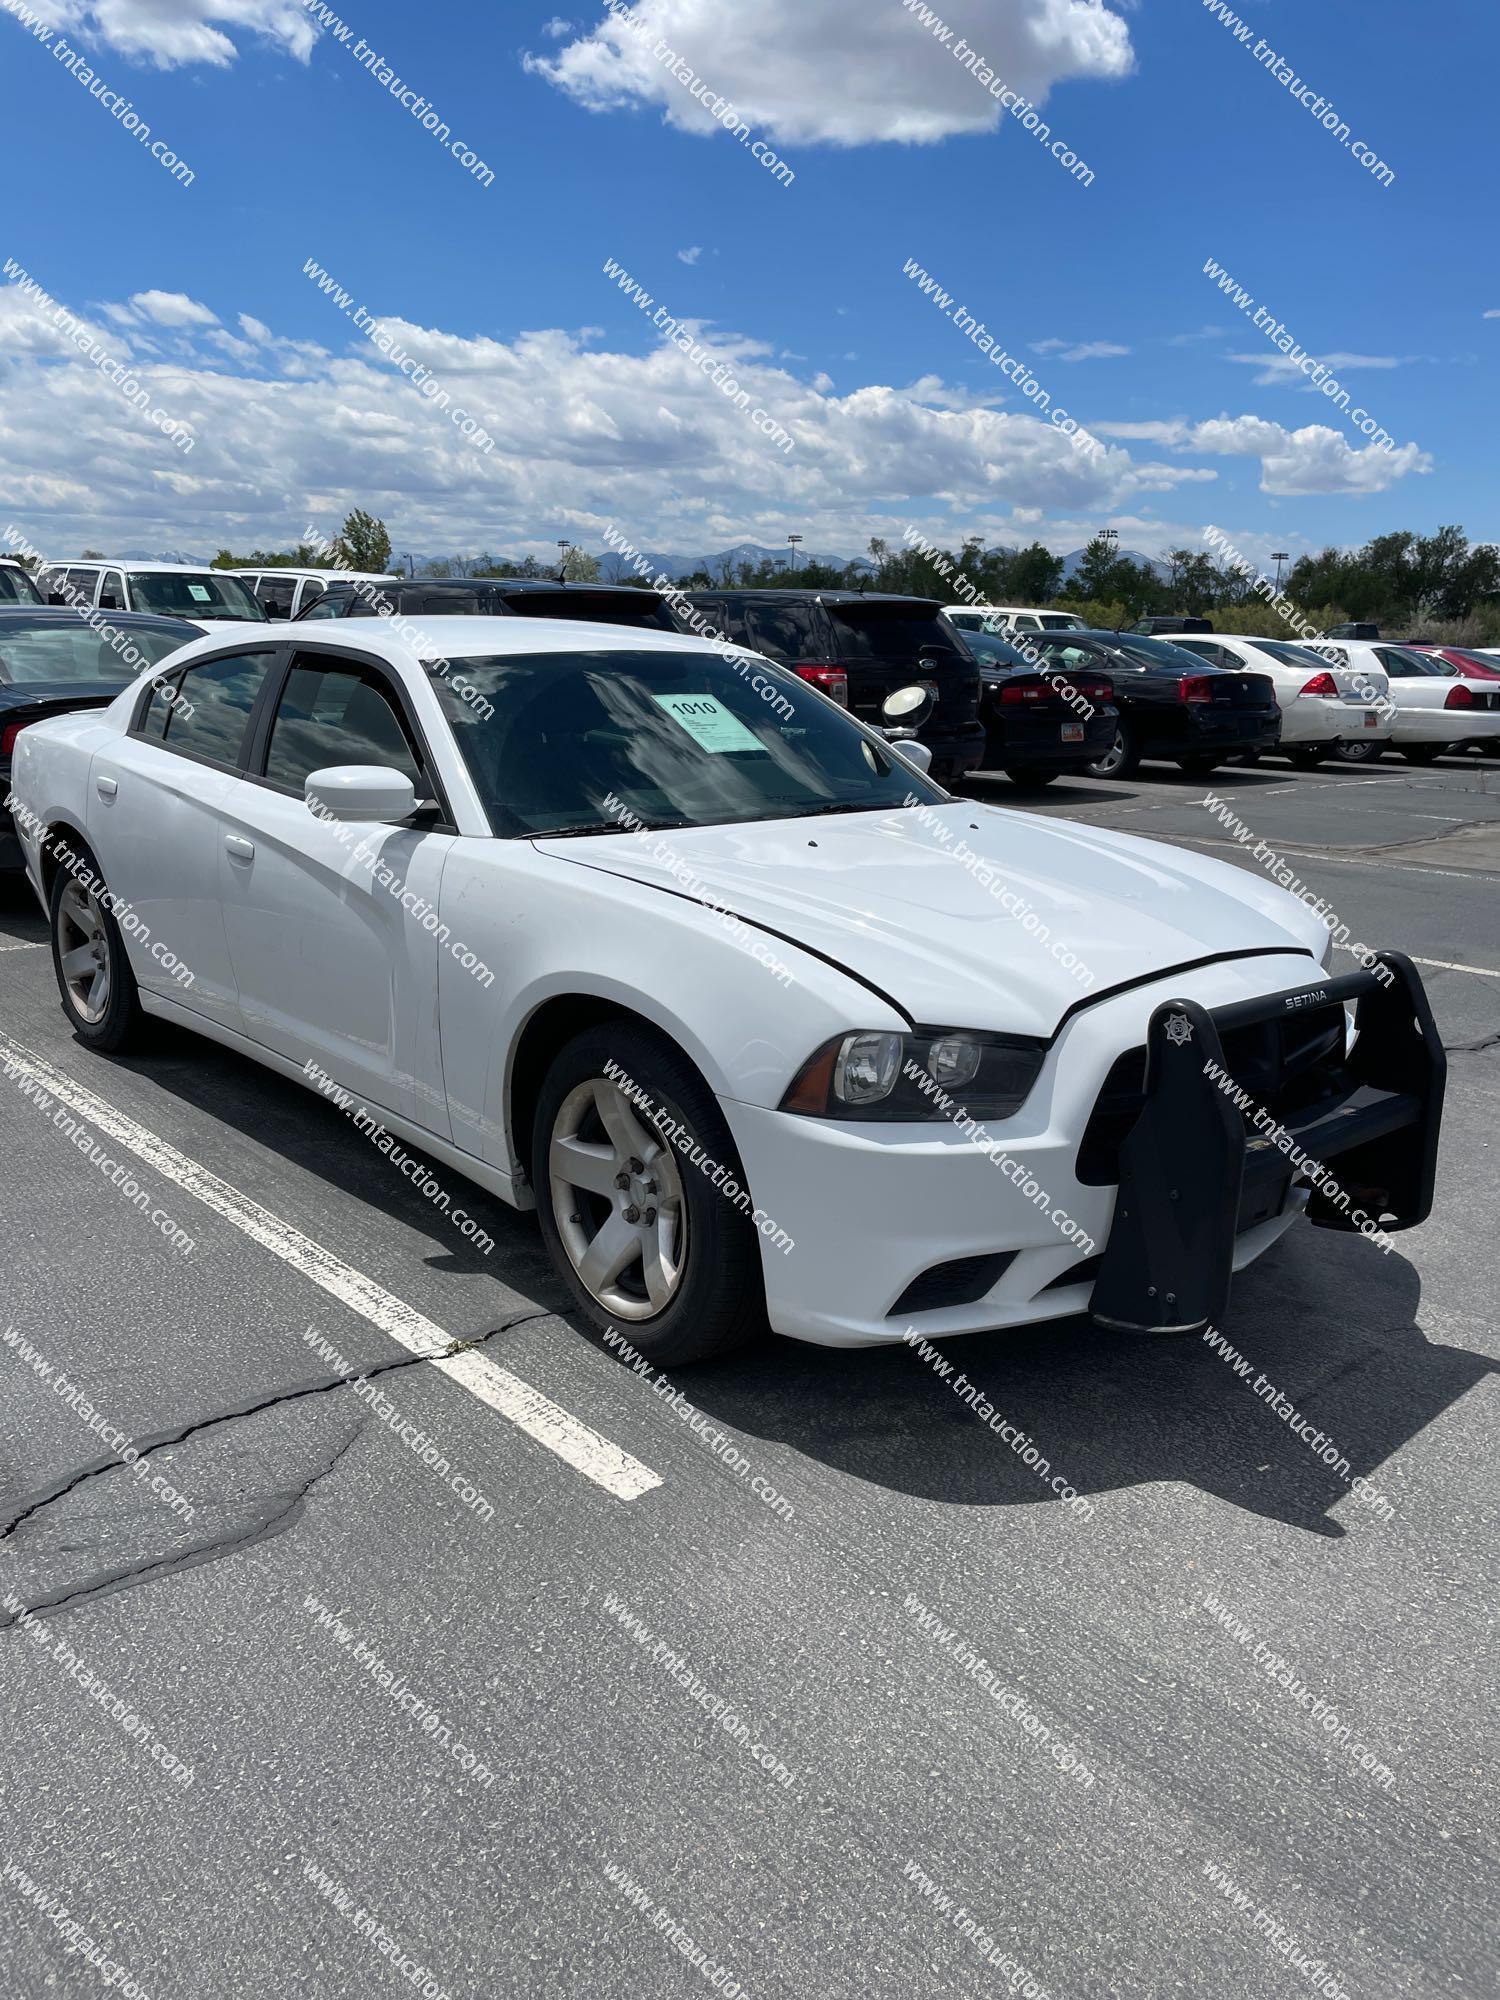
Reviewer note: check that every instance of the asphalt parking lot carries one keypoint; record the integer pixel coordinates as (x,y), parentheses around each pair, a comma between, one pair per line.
(824,1556)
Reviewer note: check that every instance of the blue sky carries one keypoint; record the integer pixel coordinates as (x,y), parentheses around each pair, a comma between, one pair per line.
(1197,152)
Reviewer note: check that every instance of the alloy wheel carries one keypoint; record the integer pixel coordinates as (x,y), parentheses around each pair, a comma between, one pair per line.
(617,1200)
(83,952)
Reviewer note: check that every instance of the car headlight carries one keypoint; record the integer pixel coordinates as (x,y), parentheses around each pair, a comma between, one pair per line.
(933,1074)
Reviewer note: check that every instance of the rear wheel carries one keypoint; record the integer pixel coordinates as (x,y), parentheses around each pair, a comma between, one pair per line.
(94,978)
(626,1140)
(1422,753)
(1122,758)
(1358,752)
(1309,757)
(1032,781)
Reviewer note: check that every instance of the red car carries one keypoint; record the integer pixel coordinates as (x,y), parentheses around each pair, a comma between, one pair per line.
(1473,665)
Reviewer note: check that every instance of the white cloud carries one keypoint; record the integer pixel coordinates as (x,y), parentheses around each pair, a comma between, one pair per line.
(168,33)
(1083,350)
(1314,459)
(690,256)
(1276,370)
(839,72)
(173,309)
(1493,313)
(291,433)
(1187,339)
(556,28)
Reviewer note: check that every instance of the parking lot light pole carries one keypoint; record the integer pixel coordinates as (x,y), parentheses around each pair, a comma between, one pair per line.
(1278,556)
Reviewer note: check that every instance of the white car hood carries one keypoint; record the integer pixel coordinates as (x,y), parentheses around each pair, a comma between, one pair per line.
(883,895)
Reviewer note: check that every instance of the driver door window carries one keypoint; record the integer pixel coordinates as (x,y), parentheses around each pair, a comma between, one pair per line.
(336,714)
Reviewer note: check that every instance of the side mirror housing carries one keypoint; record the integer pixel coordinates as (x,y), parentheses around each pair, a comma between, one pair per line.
(918,755)
(360,794)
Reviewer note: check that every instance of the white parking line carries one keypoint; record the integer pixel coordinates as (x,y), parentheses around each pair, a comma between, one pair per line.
(545,1421)
(1438,964)
(32,944)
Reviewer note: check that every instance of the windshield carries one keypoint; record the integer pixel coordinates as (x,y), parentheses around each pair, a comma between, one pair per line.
(74,651)
(16,587)
(211,594)
(600,742)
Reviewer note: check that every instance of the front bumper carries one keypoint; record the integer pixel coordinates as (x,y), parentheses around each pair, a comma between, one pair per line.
(1199,1164)
(877,1212)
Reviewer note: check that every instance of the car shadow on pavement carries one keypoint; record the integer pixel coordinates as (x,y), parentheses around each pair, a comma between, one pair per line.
(1325,1321)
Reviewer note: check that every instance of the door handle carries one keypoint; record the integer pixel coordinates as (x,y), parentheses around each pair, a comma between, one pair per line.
(105,787)
(240,850)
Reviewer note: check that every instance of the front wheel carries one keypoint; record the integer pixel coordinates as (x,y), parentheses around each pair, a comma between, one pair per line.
(94,978)
(1422,753)
(1122,758)
(640,1196)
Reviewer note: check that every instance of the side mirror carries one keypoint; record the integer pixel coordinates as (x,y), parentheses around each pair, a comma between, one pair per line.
(360,793)
(918,755)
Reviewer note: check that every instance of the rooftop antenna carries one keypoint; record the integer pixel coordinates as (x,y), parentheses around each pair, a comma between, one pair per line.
(562,561)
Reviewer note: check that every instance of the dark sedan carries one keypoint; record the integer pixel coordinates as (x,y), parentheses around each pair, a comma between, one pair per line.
(1040,720)
(54,658)
(1171,705)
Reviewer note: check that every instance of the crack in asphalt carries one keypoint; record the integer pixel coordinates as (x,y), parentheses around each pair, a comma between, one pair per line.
(323,1386)
(1472,1048)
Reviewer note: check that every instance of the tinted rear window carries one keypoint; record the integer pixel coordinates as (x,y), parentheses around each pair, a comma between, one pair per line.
(631,607)
(784,631)
(871,632)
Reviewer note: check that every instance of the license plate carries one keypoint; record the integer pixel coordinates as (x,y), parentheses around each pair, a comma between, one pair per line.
(1371,720)
(1072,732)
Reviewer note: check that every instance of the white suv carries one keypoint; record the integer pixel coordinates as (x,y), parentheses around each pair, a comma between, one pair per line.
(1010,618)
(16,586)
(286,593)
(171,590)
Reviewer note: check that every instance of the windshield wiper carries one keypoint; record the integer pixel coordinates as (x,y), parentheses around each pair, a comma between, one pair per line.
(606,826)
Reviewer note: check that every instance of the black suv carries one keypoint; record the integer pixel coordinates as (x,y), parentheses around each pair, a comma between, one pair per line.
(494,597)
(1161,628)
(859,647)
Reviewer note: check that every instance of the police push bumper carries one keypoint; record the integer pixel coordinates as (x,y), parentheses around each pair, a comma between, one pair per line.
(1197,1166)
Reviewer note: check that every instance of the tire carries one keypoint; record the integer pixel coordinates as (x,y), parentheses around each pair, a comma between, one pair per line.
(1032,781)
(708,1298)
(1422,753)
(1122,759)
(1308,759)
(1198,767)
(1358,752)
(103,1007)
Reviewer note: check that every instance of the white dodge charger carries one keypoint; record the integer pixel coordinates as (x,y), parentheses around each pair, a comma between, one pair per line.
(645,932)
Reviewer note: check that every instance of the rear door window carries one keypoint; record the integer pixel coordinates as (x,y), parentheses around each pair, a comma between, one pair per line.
(206,716)
(276,594)
(782,631)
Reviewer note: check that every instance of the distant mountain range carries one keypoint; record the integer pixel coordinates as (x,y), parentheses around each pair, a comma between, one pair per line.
(674,563)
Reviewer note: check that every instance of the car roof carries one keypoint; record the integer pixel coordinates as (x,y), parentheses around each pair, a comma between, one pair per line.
(71,614)
(464,637)
(290,569)
(136,568)
(822,596)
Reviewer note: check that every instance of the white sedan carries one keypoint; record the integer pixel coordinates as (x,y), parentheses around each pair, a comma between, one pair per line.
(1323,708)
(646,933)
(1437,709)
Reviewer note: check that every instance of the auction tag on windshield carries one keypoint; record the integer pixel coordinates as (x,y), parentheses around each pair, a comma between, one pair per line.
(200,593)
(708,721)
